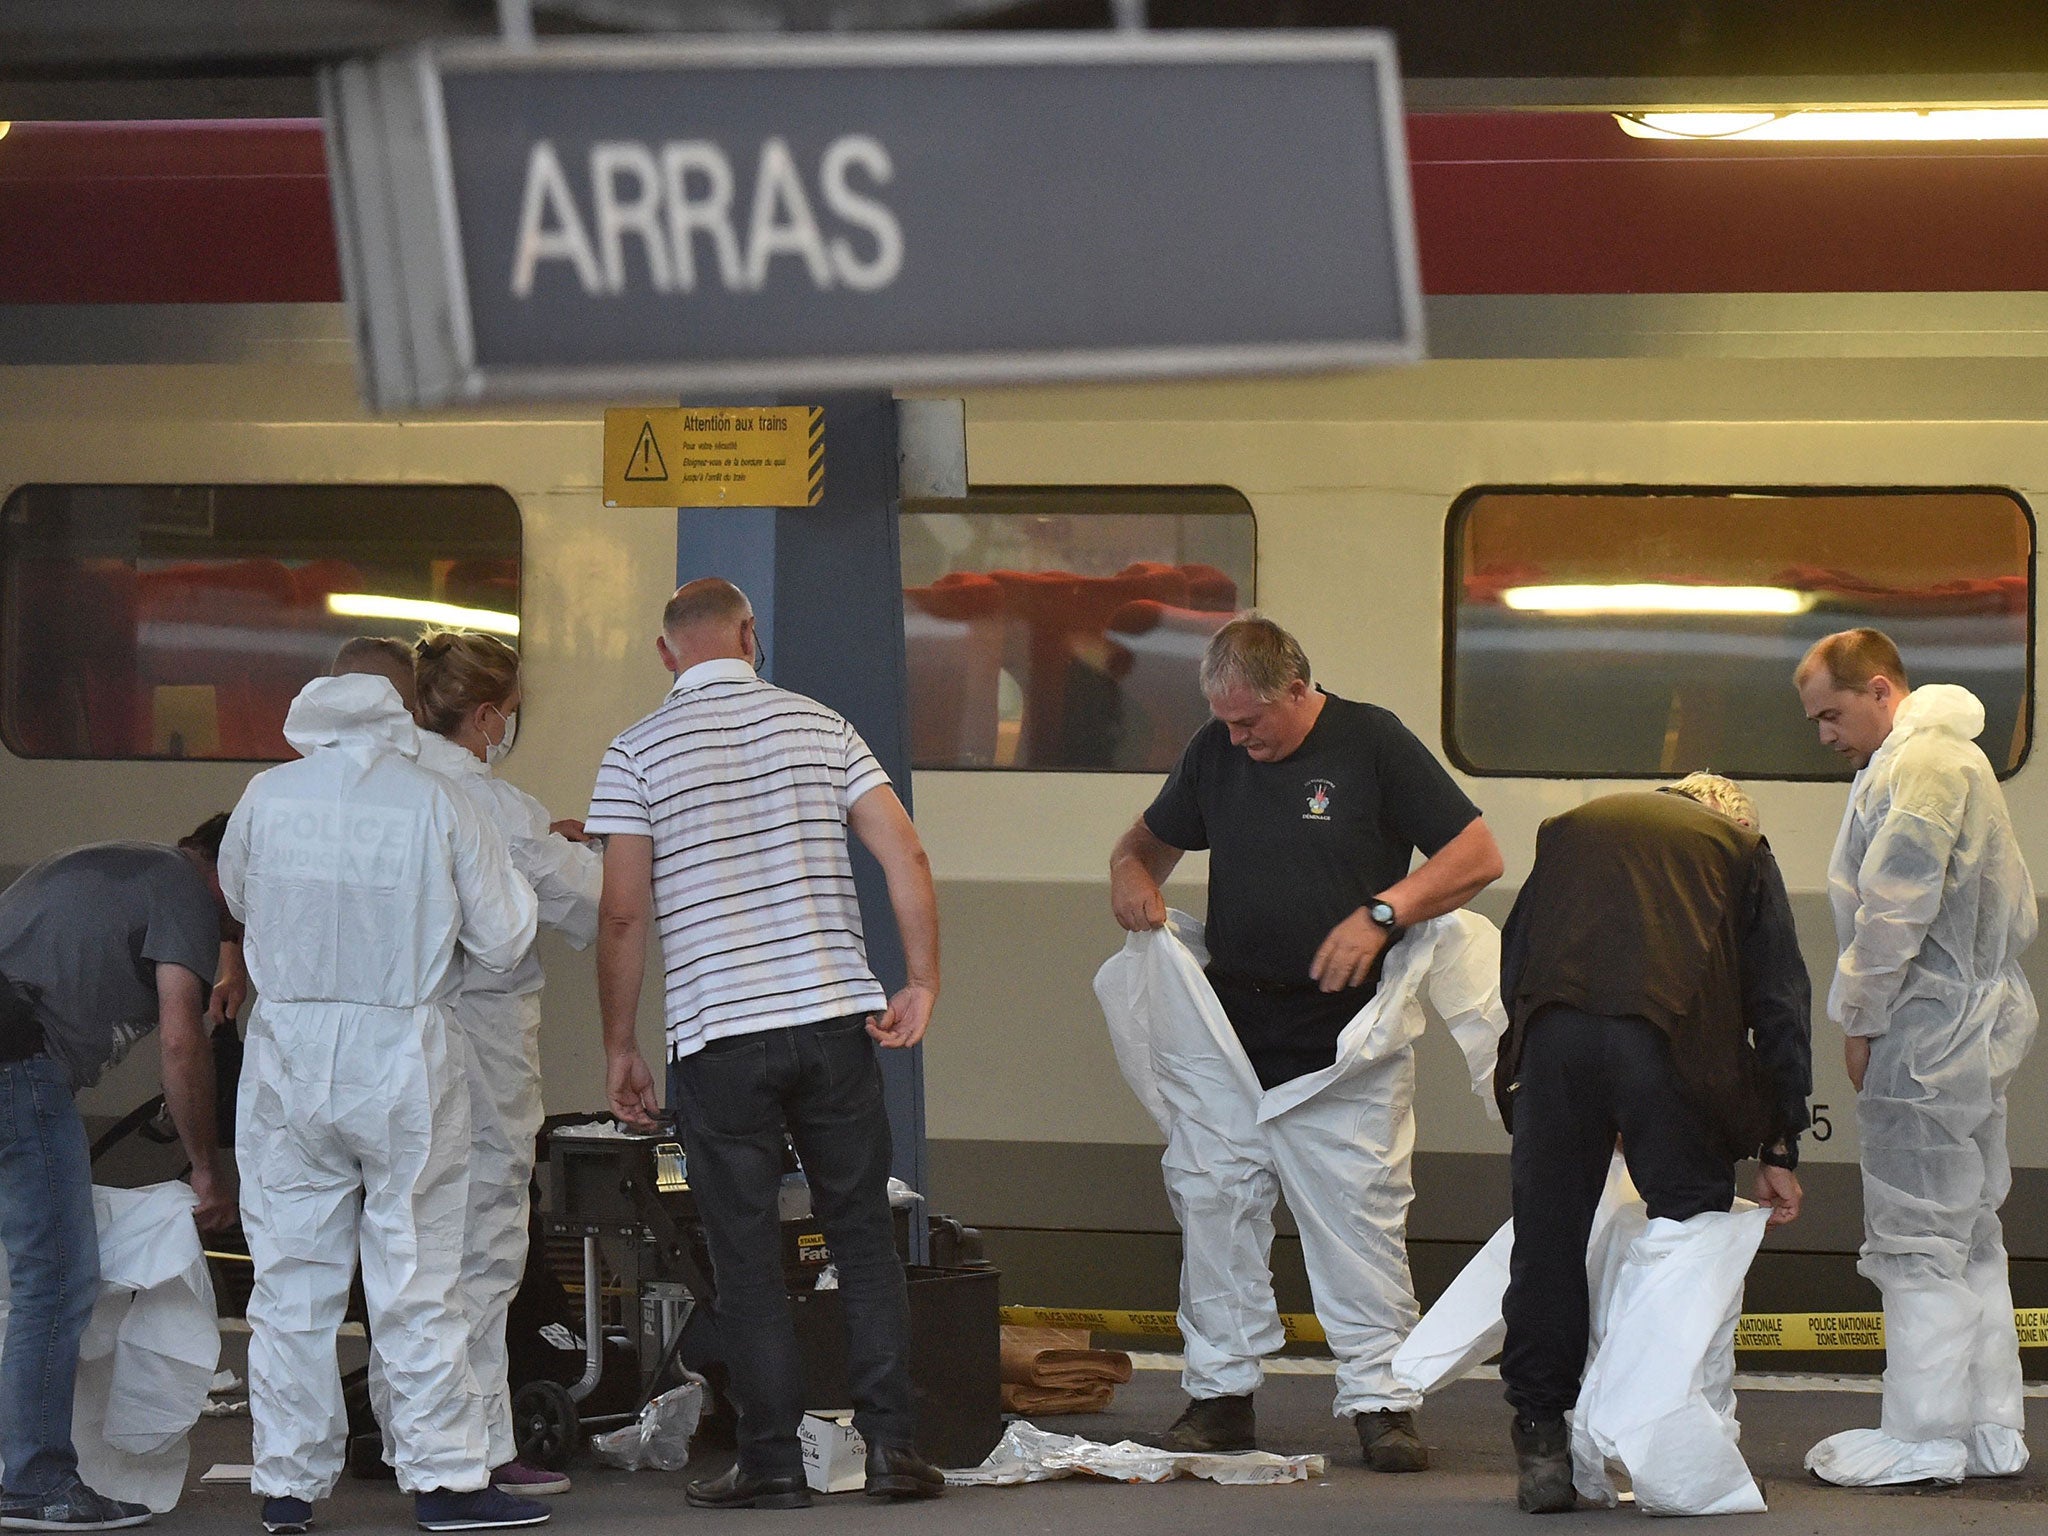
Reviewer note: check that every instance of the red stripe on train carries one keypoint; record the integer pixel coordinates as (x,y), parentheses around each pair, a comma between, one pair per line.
(1506,203)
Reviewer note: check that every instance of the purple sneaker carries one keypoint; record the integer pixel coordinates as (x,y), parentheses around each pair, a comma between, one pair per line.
(517,1477)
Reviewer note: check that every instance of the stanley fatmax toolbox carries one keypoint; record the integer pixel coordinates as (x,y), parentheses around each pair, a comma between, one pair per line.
(647,1275)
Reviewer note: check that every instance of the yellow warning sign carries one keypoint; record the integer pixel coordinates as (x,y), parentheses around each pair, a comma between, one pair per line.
(706,456)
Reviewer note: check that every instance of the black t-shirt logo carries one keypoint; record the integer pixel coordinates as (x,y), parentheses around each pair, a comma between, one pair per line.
(1318,800)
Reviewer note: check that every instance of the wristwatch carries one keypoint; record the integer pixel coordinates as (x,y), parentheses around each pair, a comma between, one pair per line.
(1381,912)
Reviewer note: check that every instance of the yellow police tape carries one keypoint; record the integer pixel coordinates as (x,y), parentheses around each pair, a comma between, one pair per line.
(1798,1331)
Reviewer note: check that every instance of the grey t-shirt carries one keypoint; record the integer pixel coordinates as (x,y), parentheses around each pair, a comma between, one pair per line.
(88,929)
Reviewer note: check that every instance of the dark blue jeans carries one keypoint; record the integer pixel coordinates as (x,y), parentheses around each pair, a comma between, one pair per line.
(1585,1080)
(735,1098)
(53,1265)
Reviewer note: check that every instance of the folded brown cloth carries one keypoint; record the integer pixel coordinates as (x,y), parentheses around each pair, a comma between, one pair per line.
(1042,1401)
(1052,1370)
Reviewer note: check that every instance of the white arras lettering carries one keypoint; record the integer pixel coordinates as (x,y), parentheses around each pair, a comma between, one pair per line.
(857,149)
(641,215)
(547,191)
(673,199)
(782,224)
(712,213)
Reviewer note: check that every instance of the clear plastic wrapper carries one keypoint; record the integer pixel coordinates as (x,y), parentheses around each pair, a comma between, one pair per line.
(660,1437)
(1028,1454)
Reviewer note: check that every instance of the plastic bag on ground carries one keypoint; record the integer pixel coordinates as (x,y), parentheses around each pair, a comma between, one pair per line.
(660,1437)
(1657,1397)
(1028,1454)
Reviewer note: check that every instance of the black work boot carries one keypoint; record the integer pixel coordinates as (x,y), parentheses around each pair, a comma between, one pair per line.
(1544,1457)
(1212,1425)
(1388,1438)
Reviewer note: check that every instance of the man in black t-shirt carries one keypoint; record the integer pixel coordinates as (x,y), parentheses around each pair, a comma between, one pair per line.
(1312,808)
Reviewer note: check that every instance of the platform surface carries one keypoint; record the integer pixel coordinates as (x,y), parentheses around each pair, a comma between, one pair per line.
(1469,1489)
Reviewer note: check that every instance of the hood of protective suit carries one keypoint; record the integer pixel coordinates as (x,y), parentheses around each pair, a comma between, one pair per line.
(449,759)
(1940,707)
(356,711)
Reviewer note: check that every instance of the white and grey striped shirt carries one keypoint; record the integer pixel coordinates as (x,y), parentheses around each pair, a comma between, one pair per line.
(745,788)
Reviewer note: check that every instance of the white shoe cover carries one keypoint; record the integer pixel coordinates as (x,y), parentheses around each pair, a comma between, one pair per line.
(1995,1451)
(1870,1458)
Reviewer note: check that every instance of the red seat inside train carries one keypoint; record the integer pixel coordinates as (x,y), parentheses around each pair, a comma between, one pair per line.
(195,659)
(1093,692)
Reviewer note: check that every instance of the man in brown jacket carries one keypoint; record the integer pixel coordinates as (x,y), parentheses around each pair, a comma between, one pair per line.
(1654,993)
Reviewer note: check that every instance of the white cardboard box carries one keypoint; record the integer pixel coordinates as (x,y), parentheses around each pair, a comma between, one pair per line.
(835,1456)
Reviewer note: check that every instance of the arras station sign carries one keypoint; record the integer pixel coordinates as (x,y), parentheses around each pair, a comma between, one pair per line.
(590,220)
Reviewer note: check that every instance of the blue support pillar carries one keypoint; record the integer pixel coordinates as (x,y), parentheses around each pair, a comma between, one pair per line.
(827,588)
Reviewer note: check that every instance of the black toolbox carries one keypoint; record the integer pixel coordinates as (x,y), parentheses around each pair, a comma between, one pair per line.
(955,1360)
(628,1198)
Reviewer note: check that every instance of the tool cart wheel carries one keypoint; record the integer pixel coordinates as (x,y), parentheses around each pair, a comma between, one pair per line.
(545,1425)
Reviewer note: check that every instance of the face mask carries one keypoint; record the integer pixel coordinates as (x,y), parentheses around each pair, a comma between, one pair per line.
(494,751)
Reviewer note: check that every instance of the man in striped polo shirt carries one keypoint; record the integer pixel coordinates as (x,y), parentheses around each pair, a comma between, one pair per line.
(726,813)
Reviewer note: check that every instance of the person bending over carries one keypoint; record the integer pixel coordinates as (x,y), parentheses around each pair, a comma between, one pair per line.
(98,946)
(1654,993)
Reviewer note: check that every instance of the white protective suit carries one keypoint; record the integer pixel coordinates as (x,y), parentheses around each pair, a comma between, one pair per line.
(1658,1396)
(1932,908)
(498,1013)
(1338,1142)
(363,879)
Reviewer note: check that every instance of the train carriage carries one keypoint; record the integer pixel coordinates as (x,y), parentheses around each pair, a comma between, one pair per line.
(1813,378)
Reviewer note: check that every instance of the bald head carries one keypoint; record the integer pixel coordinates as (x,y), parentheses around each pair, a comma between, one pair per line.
(707,600)
(377,656)
(708,619)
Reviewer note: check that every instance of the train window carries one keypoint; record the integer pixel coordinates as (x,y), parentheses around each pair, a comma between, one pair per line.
(1633,633)
(178,621)
(1061,627)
